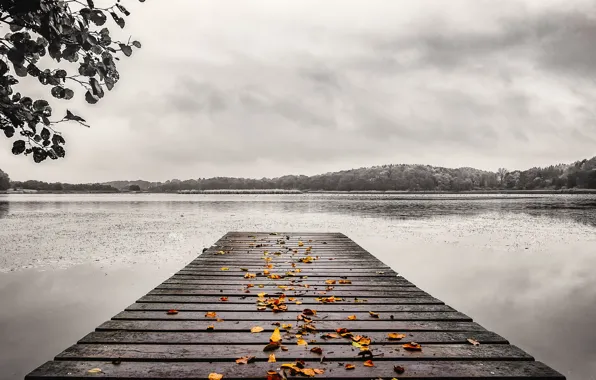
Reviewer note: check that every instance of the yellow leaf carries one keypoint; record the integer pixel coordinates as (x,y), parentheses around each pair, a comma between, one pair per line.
(369,363)
(215,376)
(271,358)
(350,366)
(210,327)
(225,268)
(373,314)
(302,342)
(308,372)
(262,294)
(329,282)
(276,336)
(210,314)
(94,370)
(352,317)
(221,253)
(298,302)
(256,329)
(300,244)
(245,360)
(395,336)
(286,326)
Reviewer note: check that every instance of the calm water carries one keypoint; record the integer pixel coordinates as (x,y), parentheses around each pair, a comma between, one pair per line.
(522,266)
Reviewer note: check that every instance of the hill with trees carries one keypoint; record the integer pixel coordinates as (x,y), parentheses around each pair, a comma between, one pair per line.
(579,175)
(4,181)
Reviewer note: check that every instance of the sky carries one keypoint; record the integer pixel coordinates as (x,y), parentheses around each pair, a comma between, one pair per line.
(266,88)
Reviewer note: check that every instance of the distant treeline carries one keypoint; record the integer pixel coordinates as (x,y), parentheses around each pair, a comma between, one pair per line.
(64,187)
(579,175)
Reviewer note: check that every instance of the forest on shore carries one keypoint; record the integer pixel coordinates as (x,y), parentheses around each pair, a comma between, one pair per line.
(401,177)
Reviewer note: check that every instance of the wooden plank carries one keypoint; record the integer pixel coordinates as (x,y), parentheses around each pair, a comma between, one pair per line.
(185,280)
(355,326)
(420,370)
(289,316)
(272,289)
(231,352)
(409,299)
(384,310)
(422,337)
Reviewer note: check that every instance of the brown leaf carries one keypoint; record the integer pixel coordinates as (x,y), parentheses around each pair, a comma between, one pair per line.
(373,314)
(395,336)
(399,369)
(317,350)
(309,312)
(413,346)
(271,346)
(369,363)
(272,375)
(473,341)
(245,360)
(215,376)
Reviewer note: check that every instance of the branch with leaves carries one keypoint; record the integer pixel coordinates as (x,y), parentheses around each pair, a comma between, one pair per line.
(40,28)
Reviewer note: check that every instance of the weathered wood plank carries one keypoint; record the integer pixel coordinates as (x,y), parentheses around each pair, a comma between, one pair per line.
(231,352)
(420,370)
(302,292)
(422,337)
(185,280)
(273,289)
(290,316)
(384,310)
(379,325)
(409,299)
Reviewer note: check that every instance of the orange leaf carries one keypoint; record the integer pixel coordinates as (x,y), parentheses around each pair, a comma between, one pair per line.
(211,314)
(272,375)
(413,346)
(245,359)
(276,336)
(215,376)
(352,317)
(345,282)
(350,366)
(256,329)
(329,282)
(172,312)
(271,358)
(369,363)
(395,336)
(224,299)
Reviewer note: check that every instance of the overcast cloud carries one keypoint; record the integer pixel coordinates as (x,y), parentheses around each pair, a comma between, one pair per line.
(266,88)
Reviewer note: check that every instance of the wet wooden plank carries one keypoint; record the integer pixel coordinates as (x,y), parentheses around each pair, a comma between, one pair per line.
(290,316)
(407,291)
(322,326)
(420,370)
(231,352)
(384,310)
(403,298)
(422,337)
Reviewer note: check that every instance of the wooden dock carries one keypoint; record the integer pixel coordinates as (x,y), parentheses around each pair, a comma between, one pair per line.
(340,312)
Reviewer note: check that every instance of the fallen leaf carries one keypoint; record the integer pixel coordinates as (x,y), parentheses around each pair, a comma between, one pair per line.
(271,346)
(345,282)
(373,314)
(245,360)
(300,244)
(298,302)
(399,369)
(276,336)
(284,348)
(244,269)
(308,372)
(318,371)
(317,350)
(309,312)
(95,370)
(172,312)
(350,366)
(225,268)
(473,341)
(286,326)
(215,376)
(272,375)
(369,363)
(219,320)
(301,342)
(221,253)
(210,327)
(211,314)
(256,329)
(329,282)
(329,336)
(395,336)
(271,358)
(224,299)
(352,317)
(413,346)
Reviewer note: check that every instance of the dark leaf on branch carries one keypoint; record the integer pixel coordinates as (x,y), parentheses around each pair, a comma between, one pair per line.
(39,155)
(60,74)
(57,92)
(58,150)
(96,87)
(123,10)
(137,44)
(20,70)
(90,3)
(40,105)
(33,70)
(3,68)
(71,116)
(119,20)
(45,120)
(68,93)
(58,139)
(45,134)
(127,50)
(98,17)
(18,147)
(9,131)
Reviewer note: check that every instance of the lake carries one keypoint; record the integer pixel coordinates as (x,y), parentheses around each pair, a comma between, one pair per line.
(520,265)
